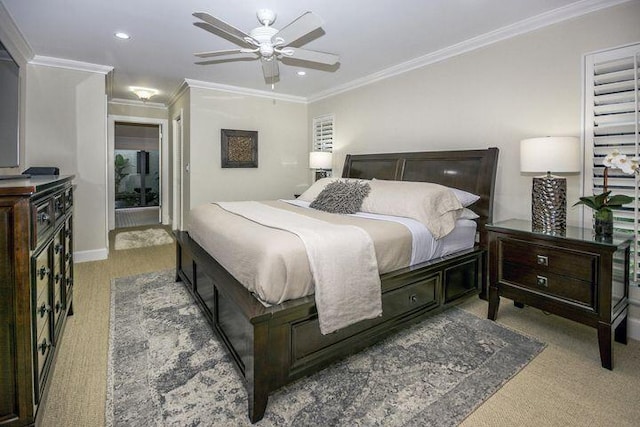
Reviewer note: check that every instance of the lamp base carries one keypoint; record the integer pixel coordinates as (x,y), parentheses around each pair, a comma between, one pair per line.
(549,204)
(322,173)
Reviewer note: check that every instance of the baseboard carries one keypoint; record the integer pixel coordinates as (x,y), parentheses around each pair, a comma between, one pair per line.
(92,255)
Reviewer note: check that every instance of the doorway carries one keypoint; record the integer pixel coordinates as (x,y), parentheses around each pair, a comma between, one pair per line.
(137,173)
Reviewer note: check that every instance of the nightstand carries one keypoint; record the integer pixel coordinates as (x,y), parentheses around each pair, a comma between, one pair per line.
(575,275)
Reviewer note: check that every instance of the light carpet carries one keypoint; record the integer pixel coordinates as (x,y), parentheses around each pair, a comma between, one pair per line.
(166,368)
(142,238)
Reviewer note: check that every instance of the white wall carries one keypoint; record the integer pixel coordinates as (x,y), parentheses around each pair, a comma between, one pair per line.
(523,87)
(65,126)
(137,110)
(282,147)
(180,108)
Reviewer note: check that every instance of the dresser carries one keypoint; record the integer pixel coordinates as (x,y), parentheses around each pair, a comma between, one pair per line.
(576,275)
(36,289)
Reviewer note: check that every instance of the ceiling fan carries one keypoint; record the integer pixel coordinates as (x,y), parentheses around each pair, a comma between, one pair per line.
(266,42)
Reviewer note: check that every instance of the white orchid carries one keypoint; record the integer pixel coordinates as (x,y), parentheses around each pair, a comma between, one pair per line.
(616,160)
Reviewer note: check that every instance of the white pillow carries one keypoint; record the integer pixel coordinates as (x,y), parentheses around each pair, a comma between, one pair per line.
(468,214)
(467,199)
(434,205)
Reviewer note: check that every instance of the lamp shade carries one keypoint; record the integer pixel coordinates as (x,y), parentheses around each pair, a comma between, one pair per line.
(550,154)
(320,160)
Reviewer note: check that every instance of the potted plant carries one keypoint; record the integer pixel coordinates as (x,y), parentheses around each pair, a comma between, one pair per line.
(602,204)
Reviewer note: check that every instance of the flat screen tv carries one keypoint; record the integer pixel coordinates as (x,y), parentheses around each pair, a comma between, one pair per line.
(9,109)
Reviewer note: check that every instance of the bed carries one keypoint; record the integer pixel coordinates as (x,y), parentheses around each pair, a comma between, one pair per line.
(273,345)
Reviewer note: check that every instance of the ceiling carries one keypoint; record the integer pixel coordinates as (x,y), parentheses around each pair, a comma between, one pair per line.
(369,35)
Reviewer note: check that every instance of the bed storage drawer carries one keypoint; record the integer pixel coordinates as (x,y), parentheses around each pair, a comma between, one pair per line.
(398,303)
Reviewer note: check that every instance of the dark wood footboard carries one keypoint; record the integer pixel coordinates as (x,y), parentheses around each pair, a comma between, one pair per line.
(273,346)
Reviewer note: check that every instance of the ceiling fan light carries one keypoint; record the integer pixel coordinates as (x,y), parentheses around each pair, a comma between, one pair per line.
(121,35)
(266,16)
(301,73)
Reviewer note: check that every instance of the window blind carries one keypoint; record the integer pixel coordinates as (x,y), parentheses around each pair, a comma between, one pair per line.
(611,123)
(323,133)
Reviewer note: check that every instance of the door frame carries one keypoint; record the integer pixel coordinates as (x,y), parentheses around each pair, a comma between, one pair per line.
(178,169)
(164,164)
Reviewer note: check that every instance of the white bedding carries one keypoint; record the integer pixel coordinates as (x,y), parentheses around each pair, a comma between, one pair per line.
(273,263)
(423,246)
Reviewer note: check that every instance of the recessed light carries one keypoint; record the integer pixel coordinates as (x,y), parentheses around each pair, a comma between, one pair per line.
(302,73)
(122,36)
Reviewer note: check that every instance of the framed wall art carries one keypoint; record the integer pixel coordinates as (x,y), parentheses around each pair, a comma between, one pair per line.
(239,148)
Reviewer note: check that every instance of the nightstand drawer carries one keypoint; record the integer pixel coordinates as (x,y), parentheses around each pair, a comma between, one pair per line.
(565,262)
(567,288)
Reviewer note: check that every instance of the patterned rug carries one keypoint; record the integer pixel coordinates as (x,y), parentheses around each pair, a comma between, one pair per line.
(142,238)
(166,368)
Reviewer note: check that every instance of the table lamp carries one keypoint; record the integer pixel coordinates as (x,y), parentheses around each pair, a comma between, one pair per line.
(321,161)
(558,154)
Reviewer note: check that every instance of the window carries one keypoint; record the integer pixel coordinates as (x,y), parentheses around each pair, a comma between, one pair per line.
(611,123)
(323,133)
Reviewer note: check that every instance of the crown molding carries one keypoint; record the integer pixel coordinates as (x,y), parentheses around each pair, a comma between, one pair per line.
(177,93)
(137,103)
(244,91)
(13,39)
(48,61)
(531,24)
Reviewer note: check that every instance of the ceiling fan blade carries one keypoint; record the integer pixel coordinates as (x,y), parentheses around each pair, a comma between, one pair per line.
(218,53)
(299,27)
(220,25)
(311,55)
(270,70)
(225,60)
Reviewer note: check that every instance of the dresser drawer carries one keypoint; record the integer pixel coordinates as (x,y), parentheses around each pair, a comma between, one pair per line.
(41,273)
(43,221)
(58,309)
(565,262)
(565,287)
(68,199)
(42,351)
(42,310)
(58,207)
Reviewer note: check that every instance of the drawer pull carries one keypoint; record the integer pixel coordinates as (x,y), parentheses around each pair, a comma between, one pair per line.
(541,281)
(57,278)
(58,306)
(44,309)
(413,299)
(44,346)
(542,260)
(44,271)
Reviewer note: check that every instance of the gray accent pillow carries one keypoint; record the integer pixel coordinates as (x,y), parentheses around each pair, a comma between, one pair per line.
(342,197)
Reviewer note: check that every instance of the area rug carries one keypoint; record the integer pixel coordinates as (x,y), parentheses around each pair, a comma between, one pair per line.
(167,368)
(142,238)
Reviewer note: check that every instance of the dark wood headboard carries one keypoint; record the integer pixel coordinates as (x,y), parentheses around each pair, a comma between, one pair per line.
(469,170)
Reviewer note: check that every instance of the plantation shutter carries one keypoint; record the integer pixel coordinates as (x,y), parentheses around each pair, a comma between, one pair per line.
(611,123)
(323,133)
